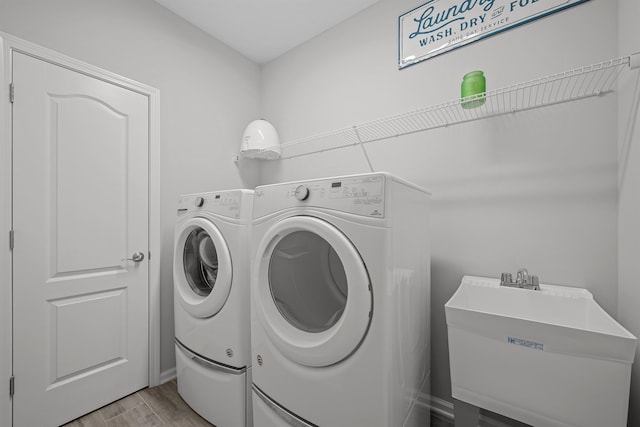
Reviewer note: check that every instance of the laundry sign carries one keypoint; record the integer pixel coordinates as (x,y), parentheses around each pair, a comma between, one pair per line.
(439,26)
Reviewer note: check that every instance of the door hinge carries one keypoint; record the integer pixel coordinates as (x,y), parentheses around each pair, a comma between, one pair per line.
(11,240)
(12,93)
(12,387)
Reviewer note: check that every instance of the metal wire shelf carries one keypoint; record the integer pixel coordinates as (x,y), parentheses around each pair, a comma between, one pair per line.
(579,83)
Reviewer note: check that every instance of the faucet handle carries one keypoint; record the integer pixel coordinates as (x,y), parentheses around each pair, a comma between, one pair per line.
(535,283)
(506,278)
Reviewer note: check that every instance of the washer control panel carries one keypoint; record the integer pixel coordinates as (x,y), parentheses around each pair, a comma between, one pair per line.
(302,192)
(226,203)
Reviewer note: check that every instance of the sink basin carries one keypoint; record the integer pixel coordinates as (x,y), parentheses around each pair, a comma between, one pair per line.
(550,357)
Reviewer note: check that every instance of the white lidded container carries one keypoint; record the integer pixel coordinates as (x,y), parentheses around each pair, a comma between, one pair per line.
(260,141)
(550,357)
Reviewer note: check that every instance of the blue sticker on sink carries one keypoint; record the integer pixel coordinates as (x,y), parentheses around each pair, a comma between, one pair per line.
(526,343)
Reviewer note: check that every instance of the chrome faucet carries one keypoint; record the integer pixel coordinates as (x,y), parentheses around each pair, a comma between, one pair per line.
(523,280)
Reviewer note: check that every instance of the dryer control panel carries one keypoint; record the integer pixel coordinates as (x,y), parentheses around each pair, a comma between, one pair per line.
(360,195)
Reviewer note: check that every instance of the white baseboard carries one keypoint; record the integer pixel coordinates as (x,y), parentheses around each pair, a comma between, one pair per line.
(441,407)
(168,375)
(436,405)
(444,408)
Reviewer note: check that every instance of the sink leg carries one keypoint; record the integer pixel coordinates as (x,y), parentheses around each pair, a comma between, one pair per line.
(465,414)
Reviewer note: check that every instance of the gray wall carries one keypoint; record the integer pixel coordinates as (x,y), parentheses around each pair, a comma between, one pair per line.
(629,197)
(208,94)
(537,189)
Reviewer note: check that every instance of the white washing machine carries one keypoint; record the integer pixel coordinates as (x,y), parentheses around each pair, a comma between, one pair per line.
(340,286)
(211,305)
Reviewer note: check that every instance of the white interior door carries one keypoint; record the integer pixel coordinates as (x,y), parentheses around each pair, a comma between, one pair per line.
(80,209)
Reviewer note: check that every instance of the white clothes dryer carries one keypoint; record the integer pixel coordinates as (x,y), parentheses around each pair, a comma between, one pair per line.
(340,302)
(211,305)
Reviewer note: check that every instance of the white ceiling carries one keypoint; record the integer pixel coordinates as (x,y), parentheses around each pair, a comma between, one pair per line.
(264,29)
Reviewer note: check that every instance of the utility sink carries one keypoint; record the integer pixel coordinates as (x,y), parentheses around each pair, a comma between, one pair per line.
(550,357)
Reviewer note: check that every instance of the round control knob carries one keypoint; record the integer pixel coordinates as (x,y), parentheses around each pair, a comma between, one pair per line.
(199,202)
(302,192)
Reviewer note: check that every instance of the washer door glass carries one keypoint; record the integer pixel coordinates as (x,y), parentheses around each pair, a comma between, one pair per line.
(200,259)
(308,282)
(202,268)
(311,291)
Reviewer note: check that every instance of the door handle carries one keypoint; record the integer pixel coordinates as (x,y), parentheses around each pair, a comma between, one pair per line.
(136,257)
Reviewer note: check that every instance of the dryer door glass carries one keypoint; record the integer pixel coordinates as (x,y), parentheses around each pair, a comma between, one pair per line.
(311,291)
(200,260)
(307,281)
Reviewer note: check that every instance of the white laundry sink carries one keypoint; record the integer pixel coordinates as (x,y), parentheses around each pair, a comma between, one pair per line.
(548,357)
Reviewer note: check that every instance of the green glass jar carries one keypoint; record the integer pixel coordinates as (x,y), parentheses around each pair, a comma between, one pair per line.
(474,84)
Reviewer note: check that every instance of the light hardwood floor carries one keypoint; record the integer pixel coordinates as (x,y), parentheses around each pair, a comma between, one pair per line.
(163,406)
(157,406)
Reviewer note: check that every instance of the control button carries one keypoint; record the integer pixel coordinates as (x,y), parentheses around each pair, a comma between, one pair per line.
(302,192)
(199,202)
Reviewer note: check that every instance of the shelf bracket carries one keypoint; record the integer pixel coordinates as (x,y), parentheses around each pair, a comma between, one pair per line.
(364,151)
(634,60)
